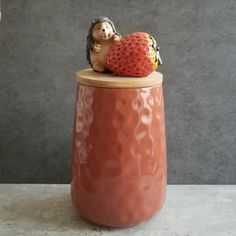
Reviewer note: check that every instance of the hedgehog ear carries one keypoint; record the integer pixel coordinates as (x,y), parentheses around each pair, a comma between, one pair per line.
(113,28)
(117,33)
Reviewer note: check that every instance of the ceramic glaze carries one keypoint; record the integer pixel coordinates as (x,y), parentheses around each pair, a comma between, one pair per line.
(119,154)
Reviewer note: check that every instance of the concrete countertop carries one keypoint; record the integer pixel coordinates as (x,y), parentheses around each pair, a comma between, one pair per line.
(46,209)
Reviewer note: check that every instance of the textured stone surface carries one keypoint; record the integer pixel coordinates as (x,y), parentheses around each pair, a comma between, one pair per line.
(31,210)
(42,44)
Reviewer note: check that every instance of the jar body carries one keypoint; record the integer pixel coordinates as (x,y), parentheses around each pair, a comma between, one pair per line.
(119,154)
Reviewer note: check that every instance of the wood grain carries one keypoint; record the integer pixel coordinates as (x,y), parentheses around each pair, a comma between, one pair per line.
(96,79)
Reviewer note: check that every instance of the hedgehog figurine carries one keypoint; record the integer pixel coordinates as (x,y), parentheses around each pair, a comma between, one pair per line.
(135,55)
(101,36)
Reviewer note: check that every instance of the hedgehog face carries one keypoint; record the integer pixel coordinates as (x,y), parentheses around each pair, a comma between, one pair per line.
(102,32)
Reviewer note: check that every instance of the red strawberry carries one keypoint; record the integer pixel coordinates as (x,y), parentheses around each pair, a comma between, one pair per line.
(134,55)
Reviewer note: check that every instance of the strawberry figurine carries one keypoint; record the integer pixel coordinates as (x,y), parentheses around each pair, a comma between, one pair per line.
(134,55)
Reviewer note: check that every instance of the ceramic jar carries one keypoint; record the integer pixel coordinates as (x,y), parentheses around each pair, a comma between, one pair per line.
(119,148)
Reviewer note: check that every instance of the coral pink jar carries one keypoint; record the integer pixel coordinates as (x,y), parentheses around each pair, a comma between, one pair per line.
(119,148)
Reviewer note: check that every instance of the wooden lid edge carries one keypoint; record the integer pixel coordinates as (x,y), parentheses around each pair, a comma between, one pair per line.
(106,80)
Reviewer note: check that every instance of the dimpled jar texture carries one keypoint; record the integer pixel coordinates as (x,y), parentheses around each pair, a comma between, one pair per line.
(119,154)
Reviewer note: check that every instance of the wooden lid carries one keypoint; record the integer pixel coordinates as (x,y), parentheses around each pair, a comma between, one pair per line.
(107,80)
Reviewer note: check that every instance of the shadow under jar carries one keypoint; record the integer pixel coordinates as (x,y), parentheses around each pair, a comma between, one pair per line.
(119,148)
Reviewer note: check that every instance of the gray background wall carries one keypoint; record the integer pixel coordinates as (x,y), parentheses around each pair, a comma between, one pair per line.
(42,45)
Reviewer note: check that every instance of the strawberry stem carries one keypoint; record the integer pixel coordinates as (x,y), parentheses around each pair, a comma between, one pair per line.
(158,57)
